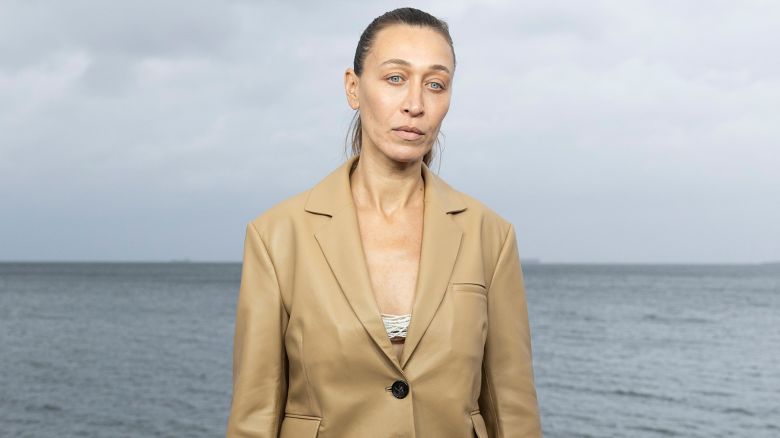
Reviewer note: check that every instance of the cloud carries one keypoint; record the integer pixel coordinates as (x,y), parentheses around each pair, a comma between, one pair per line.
(580,122)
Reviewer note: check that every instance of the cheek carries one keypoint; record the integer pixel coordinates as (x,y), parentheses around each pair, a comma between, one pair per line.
(377,115)
(386,104)
(440,106)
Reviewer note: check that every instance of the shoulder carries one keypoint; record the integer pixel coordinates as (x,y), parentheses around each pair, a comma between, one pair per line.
(305,210)
(486,235)
(283,216)
(481,217)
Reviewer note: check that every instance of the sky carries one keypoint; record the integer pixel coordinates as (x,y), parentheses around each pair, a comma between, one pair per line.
(605,131)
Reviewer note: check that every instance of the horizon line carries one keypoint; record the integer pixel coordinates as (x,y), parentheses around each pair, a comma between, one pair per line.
(523,261)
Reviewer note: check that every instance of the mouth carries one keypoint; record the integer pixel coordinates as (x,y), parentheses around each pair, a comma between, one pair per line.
(409,129)
(408,133)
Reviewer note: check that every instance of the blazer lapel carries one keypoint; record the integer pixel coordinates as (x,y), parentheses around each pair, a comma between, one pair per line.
(440,246)
(340,242)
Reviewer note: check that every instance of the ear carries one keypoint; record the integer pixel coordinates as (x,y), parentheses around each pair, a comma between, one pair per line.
(351,87)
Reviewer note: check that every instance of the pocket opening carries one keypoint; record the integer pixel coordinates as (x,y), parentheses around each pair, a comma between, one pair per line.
(479,425)
(299,426)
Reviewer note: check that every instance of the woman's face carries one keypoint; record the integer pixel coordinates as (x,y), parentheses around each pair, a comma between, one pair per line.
(406,84)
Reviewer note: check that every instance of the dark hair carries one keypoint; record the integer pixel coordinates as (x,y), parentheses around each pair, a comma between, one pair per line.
(408,16)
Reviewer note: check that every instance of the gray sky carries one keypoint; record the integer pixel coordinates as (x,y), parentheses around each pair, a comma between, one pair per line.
(605,131)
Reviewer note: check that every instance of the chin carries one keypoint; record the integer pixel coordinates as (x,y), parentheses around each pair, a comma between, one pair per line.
(406,154)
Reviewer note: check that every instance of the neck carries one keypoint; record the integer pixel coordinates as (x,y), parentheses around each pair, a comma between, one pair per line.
(386,186)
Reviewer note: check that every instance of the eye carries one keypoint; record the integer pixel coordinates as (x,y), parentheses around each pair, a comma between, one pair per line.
(439,86)
(394,76)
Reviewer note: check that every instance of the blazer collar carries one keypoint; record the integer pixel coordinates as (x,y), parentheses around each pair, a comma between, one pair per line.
(333,192)
(341,244)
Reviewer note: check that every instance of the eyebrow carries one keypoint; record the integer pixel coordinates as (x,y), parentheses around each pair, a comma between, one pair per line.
(408,64)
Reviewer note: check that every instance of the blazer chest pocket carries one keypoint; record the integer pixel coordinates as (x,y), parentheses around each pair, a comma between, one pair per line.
(299,426)
(476,288)
(469,321)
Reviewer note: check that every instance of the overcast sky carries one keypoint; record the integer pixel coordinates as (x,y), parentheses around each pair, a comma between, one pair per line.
(605,131)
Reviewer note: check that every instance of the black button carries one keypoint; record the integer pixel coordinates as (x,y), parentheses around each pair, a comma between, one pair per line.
(400,389)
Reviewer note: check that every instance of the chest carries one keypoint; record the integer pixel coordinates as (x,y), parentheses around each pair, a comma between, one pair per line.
(392,254)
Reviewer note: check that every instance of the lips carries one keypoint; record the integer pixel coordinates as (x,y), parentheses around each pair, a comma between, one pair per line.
(409,129)
(407,135)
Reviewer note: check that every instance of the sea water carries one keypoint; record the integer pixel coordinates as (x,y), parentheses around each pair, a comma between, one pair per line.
(144,349)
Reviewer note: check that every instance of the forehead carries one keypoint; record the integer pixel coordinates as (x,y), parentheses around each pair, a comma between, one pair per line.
(420,46)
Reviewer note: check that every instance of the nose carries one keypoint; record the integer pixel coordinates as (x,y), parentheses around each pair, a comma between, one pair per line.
(413,105)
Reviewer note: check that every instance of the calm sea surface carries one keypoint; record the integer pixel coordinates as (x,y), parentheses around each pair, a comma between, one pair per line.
(144,350)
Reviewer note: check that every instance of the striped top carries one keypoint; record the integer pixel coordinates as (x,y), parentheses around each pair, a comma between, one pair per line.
(396,325)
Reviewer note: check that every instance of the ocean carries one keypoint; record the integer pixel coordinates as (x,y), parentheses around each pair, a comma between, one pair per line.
(144,349)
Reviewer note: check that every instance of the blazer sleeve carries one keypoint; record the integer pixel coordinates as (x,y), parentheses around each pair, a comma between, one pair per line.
(508,399)
(259,357)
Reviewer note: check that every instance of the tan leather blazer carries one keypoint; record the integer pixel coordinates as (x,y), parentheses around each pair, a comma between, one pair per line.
(311,355)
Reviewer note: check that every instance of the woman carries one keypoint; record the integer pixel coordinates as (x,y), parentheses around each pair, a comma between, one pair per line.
(382,302)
